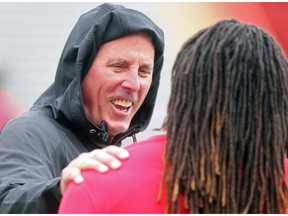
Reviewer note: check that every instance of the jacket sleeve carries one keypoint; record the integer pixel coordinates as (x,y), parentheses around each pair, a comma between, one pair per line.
(29,176)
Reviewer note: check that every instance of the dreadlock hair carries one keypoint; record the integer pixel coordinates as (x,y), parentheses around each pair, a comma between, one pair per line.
(227,123)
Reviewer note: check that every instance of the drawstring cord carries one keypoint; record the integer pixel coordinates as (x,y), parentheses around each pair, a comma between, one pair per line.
(134,138)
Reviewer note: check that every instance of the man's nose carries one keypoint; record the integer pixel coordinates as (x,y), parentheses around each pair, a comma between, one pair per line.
(131,81)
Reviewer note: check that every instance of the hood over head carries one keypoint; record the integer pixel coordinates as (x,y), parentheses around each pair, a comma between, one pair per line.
(94,28)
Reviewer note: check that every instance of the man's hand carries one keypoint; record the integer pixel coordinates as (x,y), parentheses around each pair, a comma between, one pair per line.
(100,160)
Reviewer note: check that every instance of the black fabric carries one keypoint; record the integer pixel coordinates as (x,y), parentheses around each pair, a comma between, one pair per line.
(37,145)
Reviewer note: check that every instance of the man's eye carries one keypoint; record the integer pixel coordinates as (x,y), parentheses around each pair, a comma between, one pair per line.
(118,67)
(145,73)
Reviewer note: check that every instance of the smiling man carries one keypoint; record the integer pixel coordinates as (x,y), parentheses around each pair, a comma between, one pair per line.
(123,70)
(104,91)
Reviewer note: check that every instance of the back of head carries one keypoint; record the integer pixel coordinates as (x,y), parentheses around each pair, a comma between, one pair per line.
(227,122)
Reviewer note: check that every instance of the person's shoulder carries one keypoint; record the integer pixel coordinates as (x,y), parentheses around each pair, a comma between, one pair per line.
(32,128)
(143,155)
(22,122)
(150,147)
(33,121)
(156,140)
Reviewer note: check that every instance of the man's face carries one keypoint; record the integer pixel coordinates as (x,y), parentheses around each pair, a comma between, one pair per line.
(118,81)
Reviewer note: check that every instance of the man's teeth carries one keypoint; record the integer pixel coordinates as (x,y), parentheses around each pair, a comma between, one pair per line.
(123,103)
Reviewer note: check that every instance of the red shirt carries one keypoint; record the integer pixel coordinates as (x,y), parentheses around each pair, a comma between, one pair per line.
(133,188)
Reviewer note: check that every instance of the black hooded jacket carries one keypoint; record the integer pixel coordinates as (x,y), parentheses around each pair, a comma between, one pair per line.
(36,146)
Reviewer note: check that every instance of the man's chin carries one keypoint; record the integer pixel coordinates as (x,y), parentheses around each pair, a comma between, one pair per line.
(115,130)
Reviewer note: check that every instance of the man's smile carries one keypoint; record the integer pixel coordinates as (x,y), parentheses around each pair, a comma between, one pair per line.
(123,105)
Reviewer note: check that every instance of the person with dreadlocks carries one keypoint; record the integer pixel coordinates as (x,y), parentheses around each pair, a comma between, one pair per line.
(227,135)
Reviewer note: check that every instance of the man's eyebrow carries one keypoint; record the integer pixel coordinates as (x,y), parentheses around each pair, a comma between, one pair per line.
(117,60)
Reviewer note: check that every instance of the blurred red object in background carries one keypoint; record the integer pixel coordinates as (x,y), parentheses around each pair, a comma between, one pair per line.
(10,106)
